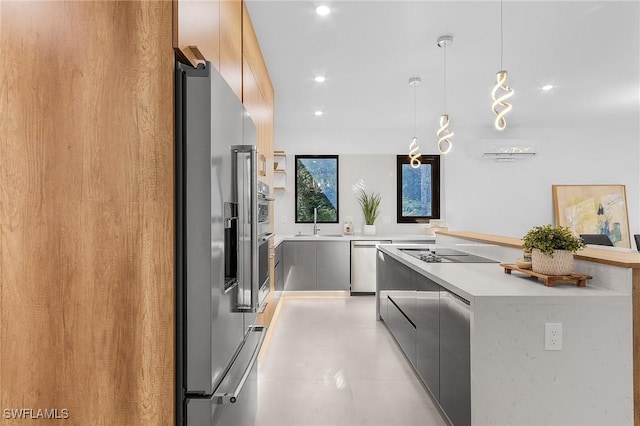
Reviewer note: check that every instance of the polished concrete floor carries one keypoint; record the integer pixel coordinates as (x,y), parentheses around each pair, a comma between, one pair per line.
(329,362)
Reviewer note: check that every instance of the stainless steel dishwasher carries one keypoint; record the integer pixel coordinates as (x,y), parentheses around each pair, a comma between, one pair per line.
(363,266)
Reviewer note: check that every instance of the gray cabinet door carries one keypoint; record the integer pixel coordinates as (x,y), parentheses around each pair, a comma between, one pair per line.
(402,287)
(382,287)
(333,262)
(455,358)
(401,307)
(279,268)
(300,265)
(428,332)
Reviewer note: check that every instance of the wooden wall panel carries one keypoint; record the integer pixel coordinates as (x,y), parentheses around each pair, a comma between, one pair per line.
(231,44)
(636,346)
(86,211)
(198,23)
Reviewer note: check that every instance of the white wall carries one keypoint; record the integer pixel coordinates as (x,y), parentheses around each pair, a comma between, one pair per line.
(504,198)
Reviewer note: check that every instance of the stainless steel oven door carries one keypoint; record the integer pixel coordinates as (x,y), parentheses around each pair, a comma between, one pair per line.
(263,210)
(263,270)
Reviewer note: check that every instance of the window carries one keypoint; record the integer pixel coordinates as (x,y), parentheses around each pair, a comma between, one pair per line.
(317,187)
(418,193)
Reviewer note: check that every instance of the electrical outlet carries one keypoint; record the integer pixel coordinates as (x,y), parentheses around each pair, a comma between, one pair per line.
(386,220)
(553,336)
(283,219)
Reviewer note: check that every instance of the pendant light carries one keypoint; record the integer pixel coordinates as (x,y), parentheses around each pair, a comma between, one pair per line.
(444,134)
(414,148)
(501,101)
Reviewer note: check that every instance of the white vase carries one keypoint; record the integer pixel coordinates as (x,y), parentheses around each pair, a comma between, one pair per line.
(369,230)
(560,264)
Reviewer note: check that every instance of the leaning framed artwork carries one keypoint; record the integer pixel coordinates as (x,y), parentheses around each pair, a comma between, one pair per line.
(593,209)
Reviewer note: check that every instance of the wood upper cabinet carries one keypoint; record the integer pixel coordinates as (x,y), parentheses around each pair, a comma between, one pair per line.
(231,44)
(198,24)
(215,27)
(258,95)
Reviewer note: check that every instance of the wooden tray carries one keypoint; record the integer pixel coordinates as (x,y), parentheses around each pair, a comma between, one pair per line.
(549,280)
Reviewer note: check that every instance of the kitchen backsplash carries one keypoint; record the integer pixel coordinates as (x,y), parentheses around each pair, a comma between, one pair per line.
(378,172)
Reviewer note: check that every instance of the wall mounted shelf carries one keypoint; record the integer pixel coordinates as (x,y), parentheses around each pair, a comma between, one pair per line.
(280,169)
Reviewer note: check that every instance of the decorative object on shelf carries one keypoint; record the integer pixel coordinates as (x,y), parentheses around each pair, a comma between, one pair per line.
(593,209)
(500,122)
(434,226)
(275,165)
(444,134)
(370,204)
(348,228)
(414,147)
(552,249)
(549,280)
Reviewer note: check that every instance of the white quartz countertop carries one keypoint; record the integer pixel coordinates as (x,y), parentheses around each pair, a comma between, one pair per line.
(475,280)
(358,237)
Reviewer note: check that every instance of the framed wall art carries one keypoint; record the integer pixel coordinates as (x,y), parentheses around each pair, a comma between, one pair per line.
(593,209)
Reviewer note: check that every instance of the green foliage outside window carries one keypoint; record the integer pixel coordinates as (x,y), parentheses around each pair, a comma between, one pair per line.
(317,187)
(418,190)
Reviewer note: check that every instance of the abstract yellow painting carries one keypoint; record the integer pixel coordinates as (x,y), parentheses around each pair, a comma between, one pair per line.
(593,209)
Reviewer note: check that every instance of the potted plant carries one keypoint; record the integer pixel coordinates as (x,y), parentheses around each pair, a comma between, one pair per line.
(552,249)
(370,204)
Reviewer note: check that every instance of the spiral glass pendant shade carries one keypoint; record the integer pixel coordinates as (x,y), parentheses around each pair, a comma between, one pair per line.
(500,106)
(444,143)
(414,153)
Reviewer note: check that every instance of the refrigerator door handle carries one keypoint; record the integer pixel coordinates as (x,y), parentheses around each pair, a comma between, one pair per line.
(248,303)
(252,343)
(255,285)
(266,237)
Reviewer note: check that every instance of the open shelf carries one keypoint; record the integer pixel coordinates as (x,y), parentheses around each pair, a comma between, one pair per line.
(279,173)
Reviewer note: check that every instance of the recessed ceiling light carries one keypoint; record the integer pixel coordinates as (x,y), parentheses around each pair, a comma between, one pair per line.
(318,113)
(319,79)
(323,10)
(547,87)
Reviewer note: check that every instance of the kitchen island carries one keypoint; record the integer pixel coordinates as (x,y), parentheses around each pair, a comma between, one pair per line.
(482,332)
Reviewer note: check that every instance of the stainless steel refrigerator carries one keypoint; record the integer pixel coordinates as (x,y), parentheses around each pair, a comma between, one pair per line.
(217,341)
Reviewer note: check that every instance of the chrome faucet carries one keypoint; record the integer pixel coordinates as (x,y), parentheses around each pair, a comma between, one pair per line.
(316,228)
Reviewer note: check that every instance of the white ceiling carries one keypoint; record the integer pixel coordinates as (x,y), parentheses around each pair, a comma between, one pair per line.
(368,50)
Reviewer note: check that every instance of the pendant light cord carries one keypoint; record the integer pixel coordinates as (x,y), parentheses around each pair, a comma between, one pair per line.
(501,36)
(414,111)
(444,91)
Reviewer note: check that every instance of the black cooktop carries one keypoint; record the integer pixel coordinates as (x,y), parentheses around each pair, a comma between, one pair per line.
(445,255)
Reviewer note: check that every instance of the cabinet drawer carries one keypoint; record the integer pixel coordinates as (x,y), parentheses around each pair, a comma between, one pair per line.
(403,330)
(428,333)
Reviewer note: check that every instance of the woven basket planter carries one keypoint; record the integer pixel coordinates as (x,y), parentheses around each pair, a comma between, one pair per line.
(560,264)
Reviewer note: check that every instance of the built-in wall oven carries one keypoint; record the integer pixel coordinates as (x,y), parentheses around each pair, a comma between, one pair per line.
(264,235)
